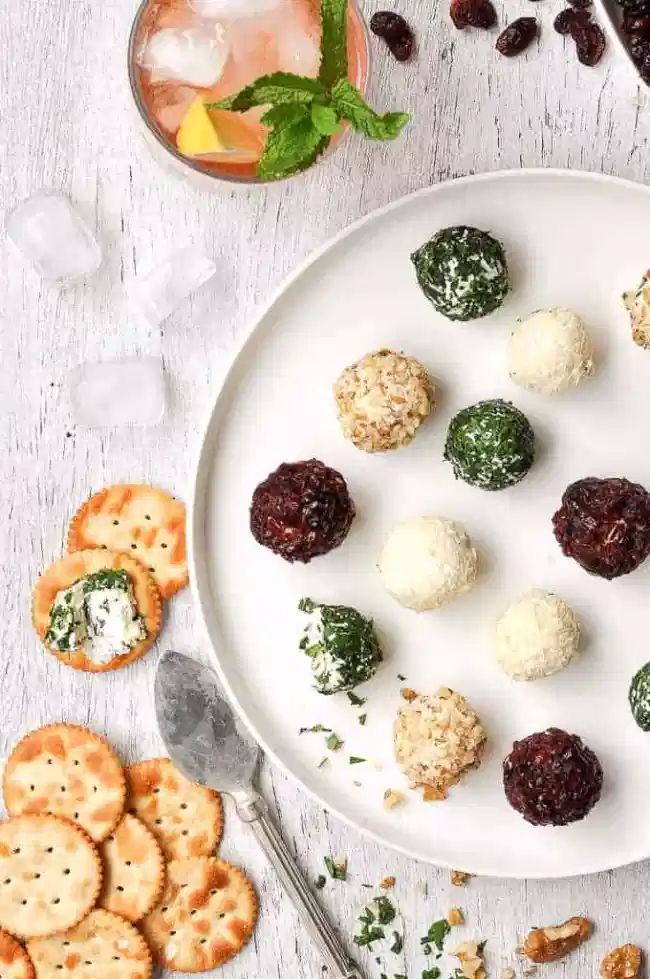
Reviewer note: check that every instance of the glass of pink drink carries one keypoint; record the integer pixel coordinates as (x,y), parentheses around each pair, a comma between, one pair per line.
(181,49)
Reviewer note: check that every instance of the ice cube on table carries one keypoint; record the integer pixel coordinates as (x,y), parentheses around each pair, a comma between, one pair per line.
(129,391)
(162,290)
(49,232)
(235,9)
(196,55)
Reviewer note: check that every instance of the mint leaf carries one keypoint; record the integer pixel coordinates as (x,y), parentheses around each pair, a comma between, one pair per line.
(276,89)
(290,149)
(282,115)
(349,102)
(333,41)
(325,119)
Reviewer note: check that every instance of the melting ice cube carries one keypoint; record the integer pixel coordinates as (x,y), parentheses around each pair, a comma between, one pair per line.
(235,9)
(50,233)
(157,294)
(130,391)
(196,55)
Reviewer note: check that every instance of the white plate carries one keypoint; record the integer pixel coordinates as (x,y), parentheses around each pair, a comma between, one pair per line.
(577,240)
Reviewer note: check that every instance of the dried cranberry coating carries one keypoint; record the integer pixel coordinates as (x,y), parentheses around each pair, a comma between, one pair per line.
(517,36)
(472,13)
(301,510)
(604,524)
(552,778)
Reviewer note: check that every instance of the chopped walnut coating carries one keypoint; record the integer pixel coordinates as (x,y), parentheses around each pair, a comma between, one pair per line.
(470,956)
(556,941)
(459,878)
(622,963)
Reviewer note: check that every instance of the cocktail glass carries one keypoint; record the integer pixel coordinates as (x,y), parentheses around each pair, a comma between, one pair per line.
(181,49)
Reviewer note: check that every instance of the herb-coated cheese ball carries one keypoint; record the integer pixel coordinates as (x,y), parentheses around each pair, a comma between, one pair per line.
(550,351)
(463,272)
(490,445)
(536,636)
(341,644)
(427,562)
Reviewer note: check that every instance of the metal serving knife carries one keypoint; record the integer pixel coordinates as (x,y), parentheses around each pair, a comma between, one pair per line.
(211,746)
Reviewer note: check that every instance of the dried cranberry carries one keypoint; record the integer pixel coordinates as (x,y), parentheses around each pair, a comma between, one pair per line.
(472,13)
(567,19)
(301,510)
(604,525)
(552,778)
(590,43)
(517,36)
(395,31)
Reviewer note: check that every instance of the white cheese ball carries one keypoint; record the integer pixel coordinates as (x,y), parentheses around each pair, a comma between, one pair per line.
(536,636)
(550,351)
(427,562)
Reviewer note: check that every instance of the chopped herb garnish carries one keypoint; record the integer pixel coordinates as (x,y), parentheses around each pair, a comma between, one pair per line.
(369,934)
(354,760)
(437,934)
(355,700)
(320,882)
(323,761)
(400,676)
(316,729)
(397,944)
(362,719)
(385,910)
(431,973)
(426,949)
(338,869)
(333,742)
(398,975)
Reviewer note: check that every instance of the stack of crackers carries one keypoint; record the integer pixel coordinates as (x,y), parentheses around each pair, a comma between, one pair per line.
(129,527)
(106,869)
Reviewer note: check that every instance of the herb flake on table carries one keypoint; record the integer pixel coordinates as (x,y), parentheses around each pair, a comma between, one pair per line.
(355,760)
(333,742)
(337,869)
(436,935)
(355,700)
(362,719)
(320,882)
(303,113)
(397,943)
(433,973)
(315,729)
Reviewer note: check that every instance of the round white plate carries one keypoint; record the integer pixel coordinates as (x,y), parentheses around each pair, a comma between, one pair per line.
(572,239)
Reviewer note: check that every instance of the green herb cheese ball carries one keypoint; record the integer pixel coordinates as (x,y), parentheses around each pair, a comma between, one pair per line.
(490,445)
(463,272)
(342,645)
(640,697)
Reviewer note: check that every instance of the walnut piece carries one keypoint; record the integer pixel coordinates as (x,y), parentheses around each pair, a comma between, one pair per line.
(455,917)
(392,798)
(387,883)
(408,694)
(554,942)
(470,956)
(459,878)
(622,963)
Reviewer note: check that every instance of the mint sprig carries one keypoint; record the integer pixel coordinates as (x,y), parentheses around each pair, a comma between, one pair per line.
(304,113)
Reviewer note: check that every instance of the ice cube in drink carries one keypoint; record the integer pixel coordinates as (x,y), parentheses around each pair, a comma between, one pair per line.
(187,53)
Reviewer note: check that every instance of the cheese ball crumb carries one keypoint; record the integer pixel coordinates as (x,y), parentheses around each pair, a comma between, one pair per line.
(427,562)
(437,740)
(536,636)
(383,399)
(550,351)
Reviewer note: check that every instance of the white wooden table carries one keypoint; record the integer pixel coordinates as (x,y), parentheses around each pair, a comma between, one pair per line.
(66,123)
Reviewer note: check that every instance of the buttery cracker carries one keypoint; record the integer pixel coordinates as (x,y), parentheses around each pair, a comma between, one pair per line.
(15,963)
(103,946)
(142,521)
(134,870)
(50,875)
(67,771)
(206,915)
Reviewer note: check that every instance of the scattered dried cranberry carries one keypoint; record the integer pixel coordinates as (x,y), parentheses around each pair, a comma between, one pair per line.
(517,36)
(552,778)
(604,525)
(472,13)
(590,43)
(568,19)
(395,31)
(301,510)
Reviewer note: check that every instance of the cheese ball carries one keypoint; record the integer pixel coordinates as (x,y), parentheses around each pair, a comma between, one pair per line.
(550,351)
(437,740)
(490,445)
(341,644)
(463,272)
(427,562)
(536,636)
(383,399)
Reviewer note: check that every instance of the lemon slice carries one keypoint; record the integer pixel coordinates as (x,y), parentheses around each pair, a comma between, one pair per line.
(197,135)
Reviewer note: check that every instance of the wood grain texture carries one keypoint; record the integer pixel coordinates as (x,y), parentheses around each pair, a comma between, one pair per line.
(67,123)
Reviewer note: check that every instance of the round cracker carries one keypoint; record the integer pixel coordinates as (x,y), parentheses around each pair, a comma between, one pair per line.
(15,963)
(134,870)
(185,818)
(50,875)
(206,915)
(142,521)
(69,569)
(68,771)
(103,946)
